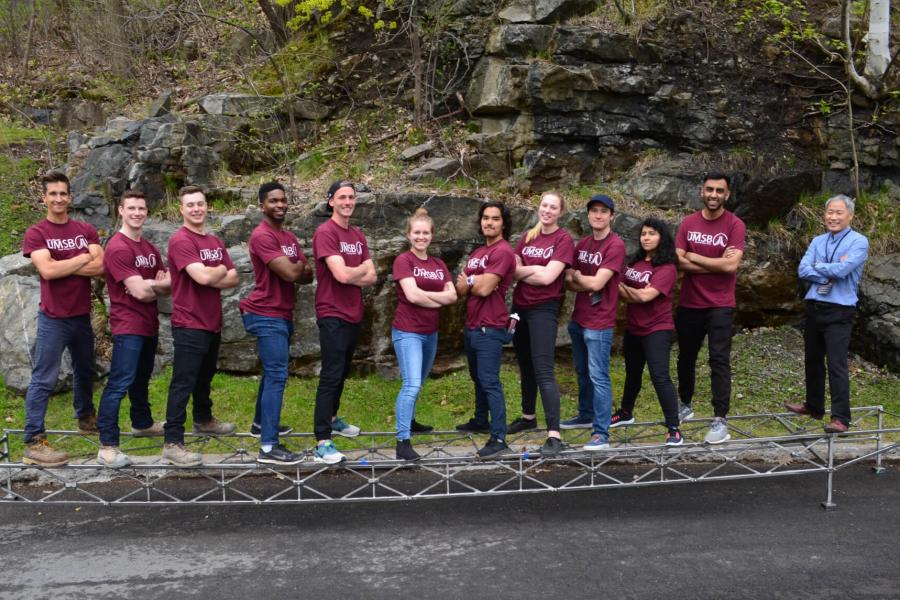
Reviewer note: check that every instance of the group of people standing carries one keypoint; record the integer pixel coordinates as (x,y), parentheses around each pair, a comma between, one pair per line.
(544,264)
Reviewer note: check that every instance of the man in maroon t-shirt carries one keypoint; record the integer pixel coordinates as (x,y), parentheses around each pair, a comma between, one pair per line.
(135,278)
(268,314)
(709,244)
(343,268)
(66,254)
(595,277)
(200,269)
(488,273)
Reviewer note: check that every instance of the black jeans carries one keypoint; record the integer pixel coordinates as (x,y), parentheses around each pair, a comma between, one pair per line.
(827,337)
(193,367)
(692,325)
(337,341)
(535,344)
(652,349)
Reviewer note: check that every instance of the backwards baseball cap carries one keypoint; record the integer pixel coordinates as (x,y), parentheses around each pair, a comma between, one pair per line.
(335,186)
(602,199)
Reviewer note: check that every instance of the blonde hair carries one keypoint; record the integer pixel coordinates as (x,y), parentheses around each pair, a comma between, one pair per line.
(536,230)
(421,214)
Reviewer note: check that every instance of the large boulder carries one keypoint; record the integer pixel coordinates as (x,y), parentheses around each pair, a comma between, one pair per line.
(877,333)
(544,11)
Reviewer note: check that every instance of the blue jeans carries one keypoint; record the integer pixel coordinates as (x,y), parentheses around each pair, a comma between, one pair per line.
(415,355)
(129,373)
(590,351)
(273,339)
(484,347)
(54,335)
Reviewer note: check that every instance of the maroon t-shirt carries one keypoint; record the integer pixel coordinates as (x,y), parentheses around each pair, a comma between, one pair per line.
(126,258)
(196,306)
(272,296)
(540,251)
(590,256)
(431,275)
(709,238)
(643,318)
(490,311)
(335,299)
(67,296)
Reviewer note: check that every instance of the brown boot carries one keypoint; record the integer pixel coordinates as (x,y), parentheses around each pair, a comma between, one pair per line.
(802,409)
(180,456)
(214,427)
(153,430)
(88,424)
(39,452)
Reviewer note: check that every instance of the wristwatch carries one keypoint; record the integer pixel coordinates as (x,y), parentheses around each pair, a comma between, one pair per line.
(470,280)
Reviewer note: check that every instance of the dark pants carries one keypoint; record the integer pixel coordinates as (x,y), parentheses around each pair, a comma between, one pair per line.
(53,336)
(484,348)
(337,342)
(827,337)
(129,373)
(692,325)
(193,367)
(652,349)
(535,343)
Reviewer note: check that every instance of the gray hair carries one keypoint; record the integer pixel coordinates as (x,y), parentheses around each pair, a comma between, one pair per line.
(847,200)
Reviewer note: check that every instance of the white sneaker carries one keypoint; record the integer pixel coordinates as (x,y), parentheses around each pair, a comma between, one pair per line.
(718,432)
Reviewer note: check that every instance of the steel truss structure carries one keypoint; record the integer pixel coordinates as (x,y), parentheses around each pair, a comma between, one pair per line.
(636,457)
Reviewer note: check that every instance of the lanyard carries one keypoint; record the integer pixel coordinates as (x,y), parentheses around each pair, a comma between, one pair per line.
(836,246)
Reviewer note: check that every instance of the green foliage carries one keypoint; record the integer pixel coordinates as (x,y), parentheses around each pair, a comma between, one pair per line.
(297,65)
(16,210)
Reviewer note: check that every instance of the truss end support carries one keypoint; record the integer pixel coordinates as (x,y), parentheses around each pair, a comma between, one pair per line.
(878,470)
(829,506)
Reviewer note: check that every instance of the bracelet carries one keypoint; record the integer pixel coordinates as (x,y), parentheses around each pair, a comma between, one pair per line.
(470,280)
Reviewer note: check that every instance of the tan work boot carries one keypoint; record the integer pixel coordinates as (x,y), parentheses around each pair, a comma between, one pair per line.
(180,456)
(88,424)
(111,456)
(40,452)
(153,430)
(214,427)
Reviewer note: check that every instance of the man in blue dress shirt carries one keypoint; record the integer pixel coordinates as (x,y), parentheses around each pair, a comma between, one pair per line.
(832,266)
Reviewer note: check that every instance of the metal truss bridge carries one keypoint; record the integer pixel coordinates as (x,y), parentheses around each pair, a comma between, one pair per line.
(762,445)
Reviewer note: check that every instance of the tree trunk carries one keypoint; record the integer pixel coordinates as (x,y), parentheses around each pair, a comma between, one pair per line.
(276,22)
(879,56)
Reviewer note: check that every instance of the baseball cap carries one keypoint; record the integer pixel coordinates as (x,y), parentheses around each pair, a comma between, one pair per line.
(602,199)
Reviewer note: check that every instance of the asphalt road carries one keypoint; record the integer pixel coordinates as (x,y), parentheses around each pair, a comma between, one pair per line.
(743,539)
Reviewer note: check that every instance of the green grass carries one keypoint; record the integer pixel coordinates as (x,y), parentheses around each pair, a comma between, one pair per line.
(767,370)
(16,210)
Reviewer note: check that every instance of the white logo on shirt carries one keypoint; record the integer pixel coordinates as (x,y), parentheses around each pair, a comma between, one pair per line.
(290,251)
(426,274)
(477,263)
(145,262)
(638,276)
(536,252)
(590,258)
(719,240)
(211,254)
(79,242)
(350,248)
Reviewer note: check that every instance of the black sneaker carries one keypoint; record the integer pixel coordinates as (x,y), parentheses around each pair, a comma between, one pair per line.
(621,418)
(522,424)
(405,451)
(279,455)
(495,447)
(674,438)
(552,447)
(256,430)
(417,427)
(473,426)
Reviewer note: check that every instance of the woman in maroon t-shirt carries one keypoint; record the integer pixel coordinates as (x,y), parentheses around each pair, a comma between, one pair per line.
(542,255)
(424,285)
(647,289)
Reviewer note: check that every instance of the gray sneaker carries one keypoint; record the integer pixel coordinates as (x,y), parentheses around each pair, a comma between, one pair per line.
(718,432)
(180,456)
(112,457)
(685,412)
